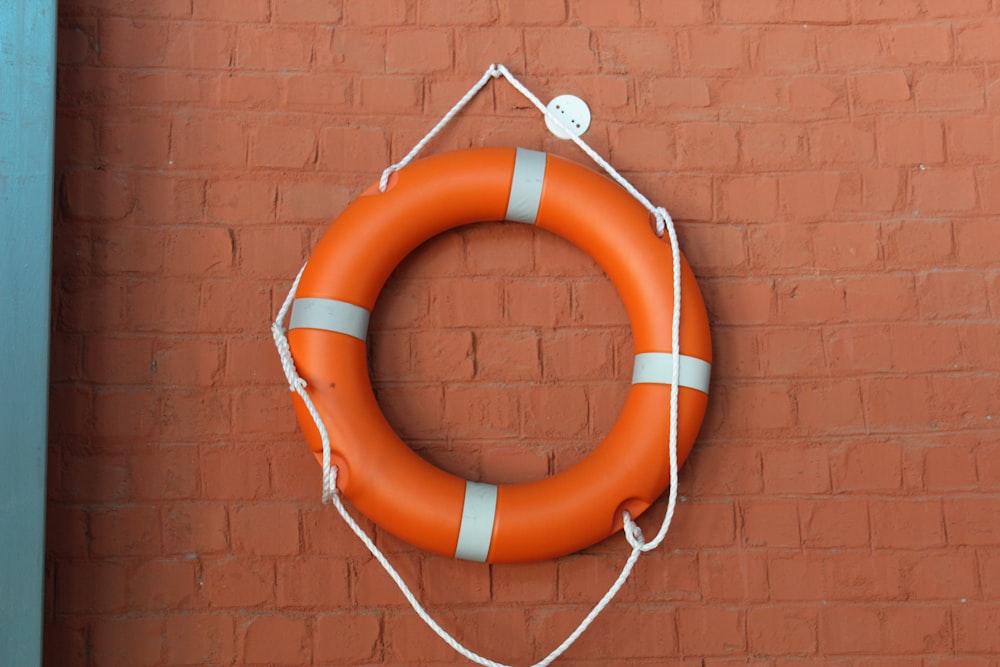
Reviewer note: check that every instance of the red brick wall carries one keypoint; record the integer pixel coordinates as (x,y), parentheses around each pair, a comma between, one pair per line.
(832,166)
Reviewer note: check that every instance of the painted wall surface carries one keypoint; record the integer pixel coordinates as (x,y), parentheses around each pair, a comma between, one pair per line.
(833,167)
(27,109)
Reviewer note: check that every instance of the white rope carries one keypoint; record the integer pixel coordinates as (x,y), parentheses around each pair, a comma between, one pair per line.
(632,531)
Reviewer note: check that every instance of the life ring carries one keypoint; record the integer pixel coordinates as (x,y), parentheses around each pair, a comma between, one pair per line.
(422,504)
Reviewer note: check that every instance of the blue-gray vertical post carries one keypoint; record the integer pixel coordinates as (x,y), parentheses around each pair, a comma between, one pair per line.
(27,111)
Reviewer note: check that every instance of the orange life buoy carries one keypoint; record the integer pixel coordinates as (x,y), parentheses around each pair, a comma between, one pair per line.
(417,501)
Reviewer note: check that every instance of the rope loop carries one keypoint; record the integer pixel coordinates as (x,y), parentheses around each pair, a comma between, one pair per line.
(634,535)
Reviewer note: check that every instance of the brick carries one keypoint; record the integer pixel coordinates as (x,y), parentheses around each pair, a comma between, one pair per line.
(733,577)
(554,411)
(96,195)
(265,530)
(349,638)
(241,11)
(90,587)
(798,633)
(162,584)
(913,629)
(883,189)
(809,195)
(952,295)
(304,201)
(142,142)
(787,49)
(977,42)
(906,524)
(784,245)
(711,630)
(847,245)
(312,583)
(126,531)
(850,50)
(834,523)
(164,472)
(850,630)
(372,587)
(130,43)
(284,147)
(892,403)
(153,89)
(418,411)
(319,91)
(950,90)
(578,355)
(706,146)
(939,575)
(108,360)
(922,347)
(582,575)
(208,143)
(734,11)
(443,355)
(596,302)
(767,147)
(442,12)
(944,190)
(796,470)
(198,251)
(199,639)
(705,523)
(233,582)
(886,10)
(352,149)
(636,50)
(269,252)
(842,143)
(912,141)
(228,473)
(247,90)
(308,11)
(424,50)
(917,243)
(200,528)
(391,94)
(978,342)
(507,357)
(830,407)
(972,139)
(972,521)
(975,628)
(874,466)
(449,582)
(188,362)
(272,48)
(679,93)
(713,49)
(168,200)
(544,12)
(741,96)
(886,297)
(196,45)
(917,44)
(751,198)
(821,11)
(636,148)
(949,468)
(231,305)
(127,642)
(524,583)
(597,13)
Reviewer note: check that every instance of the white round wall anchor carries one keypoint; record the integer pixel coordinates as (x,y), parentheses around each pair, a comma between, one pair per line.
(572,112)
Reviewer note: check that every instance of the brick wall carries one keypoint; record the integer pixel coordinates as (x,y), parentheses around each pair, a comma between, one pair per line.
(832,166)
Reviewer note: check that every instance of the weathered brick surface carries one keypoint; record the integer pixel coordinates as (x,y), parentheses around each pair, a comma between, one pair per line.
(832,168)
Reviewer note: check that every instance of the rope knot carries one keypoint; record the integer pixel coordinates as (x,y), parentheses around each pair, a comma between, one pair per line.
(663,219)
(633,533)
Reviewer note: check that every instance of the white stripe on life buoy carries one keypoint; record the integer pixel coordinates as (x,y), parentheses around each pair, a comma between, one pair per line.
(329,315)
(476,530)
